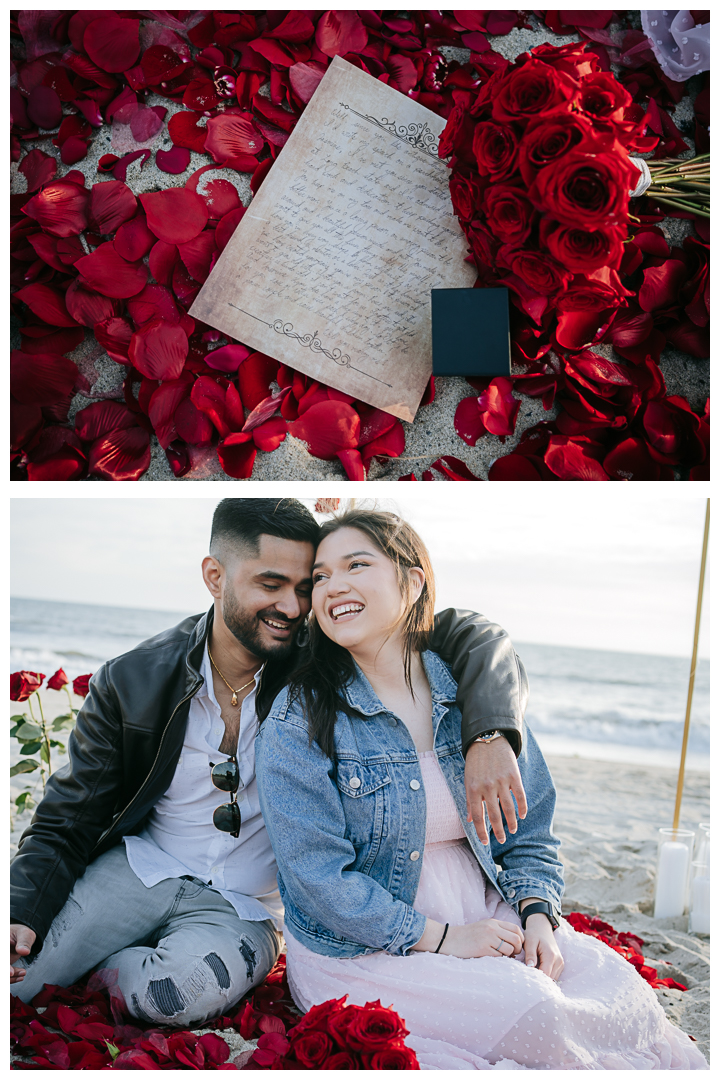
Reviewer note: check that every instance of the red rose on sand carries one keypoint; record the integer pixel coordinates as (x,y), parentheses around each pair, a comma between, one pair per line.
(58,680)
(373,1028)
(24,683)
(581,250)
(586,190)
(496,148)
(509,213)
(532,89)
(394,1057)
(80,685)
(312,1049)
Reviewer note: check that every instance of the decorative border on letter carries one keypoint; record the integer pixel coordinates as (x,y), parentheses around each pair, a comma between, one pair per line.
(419,136)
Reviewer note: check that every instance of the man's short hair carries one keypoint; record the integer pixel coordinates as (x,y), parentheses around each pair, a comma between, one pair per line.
(238,524)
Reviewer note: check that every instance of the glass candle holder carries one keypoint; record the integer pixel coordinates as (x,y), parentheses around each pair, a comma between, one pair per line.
(701,856)
(675,847)
(700,900)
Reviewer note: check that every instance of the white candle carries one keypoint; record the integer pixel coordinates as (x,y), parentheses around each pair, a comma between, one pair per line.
(671,880)
(700,915)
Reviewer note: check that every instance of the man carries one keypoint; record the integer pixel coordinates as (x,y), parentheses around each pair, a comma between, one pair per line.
(148,855)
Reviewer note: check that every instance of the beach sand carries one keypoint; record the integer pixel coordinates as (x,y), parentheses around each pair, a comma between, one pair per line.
(432,435)
(607,819)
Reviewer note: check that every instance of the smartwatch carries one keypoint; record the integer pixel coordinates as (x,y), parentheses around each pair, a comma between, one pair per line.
(546,908)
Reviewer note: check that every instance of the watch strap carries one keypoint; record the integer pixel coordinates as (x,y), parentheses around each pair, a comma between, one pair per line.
(543,907)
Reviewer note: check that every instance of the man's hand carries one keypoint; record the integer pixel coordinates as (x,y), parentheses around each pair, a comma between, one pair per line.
(22,939)
(541,949)
(492,777)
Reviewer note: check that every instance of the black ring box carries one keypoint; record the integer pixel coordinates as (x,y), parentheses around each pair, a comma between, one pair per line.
(470,332)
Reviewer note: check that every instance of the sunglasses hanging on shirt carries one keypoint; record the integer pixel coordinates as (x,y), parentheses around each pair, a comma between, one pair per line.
(226,777)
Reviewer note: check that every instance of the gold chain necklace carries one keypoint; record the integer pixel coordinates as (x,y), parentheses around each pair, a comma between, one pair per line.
(233,692)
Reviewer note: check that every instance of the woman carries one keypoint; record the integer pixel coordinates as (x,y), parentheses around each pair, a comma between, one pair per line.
(387,893)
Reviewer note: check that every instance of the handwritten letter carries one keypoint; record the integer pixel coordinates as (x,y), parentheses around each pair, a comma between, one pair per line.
(330,269)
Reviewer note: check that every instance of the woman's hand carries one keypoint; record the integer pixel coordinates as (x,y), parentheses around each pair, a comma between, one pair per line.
(541,949)
(489,937)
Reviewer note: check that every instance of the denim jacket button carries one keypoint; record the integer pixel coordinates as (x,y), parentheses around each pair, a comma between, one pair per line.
(414,856)
(354,781)
(414,784)
(511,892)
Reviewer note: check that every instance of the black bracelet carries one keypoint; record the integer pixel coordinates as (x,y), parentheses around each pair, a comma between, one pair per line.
(447,926)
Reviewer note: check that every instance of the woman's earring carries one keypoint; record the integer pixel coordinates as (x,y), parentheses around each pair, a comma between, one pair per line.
(303,636)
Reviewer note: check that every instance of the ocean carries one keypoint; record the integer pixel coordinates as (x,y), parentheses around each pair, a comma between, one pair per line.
(615,706)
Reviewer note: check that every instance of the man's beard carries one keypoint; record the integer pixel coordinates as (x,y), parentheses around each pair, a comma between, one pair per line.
(244,625)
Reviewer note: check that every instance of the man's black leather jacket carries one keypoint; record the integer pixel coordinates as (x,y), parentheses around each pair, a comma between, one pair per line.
(130,731)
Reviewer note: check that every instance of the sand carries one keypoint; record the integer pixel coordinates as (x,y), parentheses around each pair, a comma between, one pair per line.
(607,819)
(432,435)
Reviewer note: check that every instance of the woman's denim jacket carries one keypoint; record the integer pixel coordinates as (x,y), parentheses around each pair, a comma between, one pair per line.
(349,835)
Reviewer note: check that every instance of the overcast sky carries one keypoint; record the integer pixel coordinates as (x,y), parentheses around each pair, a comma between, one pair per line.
(601,567)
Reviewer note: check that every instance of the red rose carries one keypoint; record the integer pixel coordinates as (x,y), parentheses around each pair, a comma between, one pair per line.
(533,89)
(466,194)
(373,1028)
(312,1049)
(342,1060)
(318,1016)
(58,680)
(24,683)
(571,58)
(545,141)
(586,190)
(339,1021)
(456,139)
(496,148)
(80,685)
(580,250)
(603,97)
(582,311)
(673,432)
(394,1057)
(509,213)
(541,273)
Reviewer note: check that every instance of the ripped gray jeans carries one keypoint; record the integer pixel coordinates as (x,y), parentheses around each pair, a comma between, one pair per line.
(181,952)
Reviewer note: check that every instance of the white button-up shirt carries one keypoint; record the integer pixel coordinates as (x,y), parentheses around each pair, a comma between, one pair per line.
(180,838)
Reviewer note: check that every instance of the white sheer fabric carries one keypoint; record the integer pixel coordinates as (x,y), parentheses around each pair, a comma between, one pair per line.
(494,1012)
(682,48)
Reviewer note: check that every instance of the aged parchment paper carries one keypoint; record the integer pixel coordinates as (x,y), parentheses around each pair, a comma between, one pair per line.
(330,269)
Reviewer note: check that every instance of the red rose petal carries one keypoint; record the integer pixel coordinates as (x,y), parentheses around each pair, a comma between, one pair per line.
(112,43)
(498,408)
(121,455)
(340,32)
(326,428)
(101,418)
(221,197)
(88,307)
(44,108)
(159,350)
(162,262)
(38,168)
(73,150)
(184,131)
(112,203)
(48,304)
(114,335)
(227,357)
(269,435)
(254,377)
(453,468)
(661,284)
(134,240)
(571,460)
(208,396)
(193,425)
(227,226)
(373,424)
(42,379)
(163,406)
(305,78)
(514,467)
(469,421)
(265,409)
(352,463)
(60,208)
(390,444)
(231,136)
(25,421)
(106,272)
(173,161)
(175,216)
(197,255)
(630,460)
(154,302)
(237,455)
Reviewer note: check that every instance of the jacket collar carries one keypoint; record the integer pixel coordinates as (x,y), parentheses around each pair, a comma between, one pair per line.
(196,644)
(361,695)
